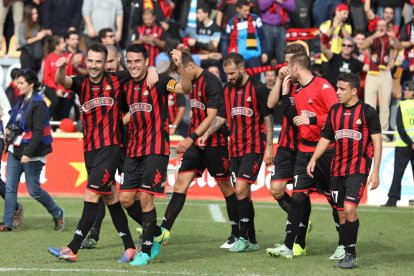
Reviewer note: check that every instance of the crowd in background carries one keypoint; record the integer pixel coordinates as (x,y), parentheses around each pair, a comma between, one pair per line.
(372,38)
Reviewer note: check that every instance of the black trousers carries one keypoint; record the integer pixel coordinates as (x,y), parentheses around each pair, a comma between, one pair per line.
(403,155)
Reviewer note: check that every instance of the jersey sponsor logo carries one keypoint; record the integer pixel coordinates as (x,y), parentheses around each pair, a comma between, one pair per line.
(102,101)
(348,133)
(307,113)
(137,107)
(196,104)
(325,86)
(347,113)
(241,111)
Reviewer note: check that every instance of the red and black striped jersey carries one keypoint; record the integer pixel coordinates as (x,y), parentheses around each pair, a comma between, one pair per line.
(313,100)
(156,31)
(352,128)
(246,108)
(175,101)
(101,116)
(148,131)
(207,92)
(288,137)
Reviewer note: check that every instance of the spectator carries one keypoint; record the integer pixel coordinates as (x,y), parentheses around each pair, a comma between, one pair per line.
(54,91)
(322,10)
(107,37)
(61,16)
(245,35)
(31,39)
(379,80)
(396,5)
(302,17)
(275,17)
(332,31)
(161,8)
(12,92)
(387,15)
(363,56)
(113,61)
(100,14)
(30,115)
(359,19)
(187,18)
(208,34)
(17,8)
(76,65)
(407,38)
(227,9)
(404,143)
(151,35)
(343,62)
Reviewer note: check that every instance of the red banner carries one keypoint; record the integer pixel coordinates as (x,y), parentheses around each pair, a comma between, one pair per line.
(65,174)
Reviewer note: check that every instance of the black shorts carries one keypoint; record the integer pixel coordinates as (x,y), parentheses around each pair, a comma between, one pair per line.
(101,166)
(283,165)
(246,168)
(349,189)
(214,159)
(145,174)
(302,182)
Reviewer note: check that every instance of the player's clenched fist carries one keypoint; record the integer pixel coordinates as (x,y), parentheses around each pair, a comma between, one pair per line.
(177,57)
(61,62)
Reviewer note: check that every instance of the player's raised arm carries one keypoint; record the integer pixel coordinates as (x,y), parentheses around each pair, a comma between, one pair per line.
(60,76)
(185,86)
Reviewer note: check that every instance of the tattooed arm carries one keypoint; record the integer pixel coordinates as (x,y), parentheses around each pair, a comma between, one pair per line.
(215,125)
(268,155)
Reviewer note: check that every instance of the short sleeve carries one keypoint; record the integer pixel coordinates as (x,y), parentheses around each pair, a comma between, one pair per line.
(77,84)
(180,100)
(214,92)
(262,93)
(372,119)
(327,130)
(165,84)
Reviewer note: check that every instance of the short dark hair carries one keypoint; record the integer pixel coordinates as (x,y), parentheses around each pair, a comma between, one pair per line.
(30,77)
(137,48)
(241,3)
(302,59)
(102,33)
(294,48)
(69,33)
(14,73)
(99,48)
(353,80)
(234,58)
(205,8)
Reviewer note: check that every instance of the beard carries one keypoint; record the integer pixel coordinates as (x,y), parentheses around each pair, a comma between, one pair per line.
(239,81)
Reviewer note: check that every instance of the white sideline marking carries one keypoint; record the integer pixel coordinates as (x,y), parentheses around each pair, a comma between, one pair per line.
(5,269)
(216,213)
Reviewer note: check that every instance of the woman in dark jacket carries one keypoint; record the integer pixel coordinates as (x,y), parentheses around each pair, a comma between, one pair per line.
(29,140)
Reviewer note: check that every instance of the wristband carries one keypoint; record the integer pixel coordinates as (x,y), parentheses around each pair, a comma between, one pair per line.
(193,136)
(313,120)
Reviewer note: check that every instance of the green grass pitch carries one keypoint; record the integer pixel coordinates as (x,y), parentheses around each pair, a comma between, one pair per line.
(385,243)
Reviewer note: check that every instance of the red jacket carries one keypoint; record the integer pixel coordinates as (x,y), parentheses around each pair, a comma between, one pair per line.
(49,72)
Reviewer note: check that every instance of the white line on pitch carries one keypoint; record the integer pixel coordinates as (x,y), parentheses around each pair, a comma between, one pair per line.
(216,213)
(5,269)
